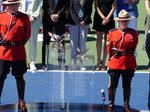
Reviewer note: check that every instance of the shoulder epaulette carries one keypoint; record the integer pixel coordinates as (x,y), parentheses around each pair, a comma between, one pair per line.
(3,12)
(130,28)
(22,13)
(112,30)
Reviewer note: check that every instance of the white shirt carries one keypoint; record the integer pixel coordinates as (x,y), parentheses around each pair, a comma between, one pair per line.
(29,4)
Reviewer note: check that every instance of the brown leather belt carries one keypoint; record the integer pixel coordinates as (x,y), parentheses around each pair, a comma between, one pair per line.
(125,52)
(15,43)
(6,42)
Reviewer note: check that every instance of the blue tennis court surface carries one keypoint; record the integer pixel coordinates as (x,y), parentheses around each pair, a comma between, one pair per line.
(75,87)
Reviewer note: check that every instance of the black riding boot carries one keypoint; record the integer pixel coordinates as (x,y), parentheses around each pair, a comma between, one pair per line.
(126,94)
(111,94)
(21,90)
(1,88)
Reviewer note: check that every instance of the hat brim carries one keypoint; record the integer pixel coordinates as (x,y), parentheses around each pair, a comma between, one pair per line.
(124,18)
(6,2)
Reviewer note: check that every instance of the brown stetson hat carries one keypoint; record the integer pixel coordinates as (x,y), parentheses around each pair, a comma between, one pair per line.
(11,1)
(123,15)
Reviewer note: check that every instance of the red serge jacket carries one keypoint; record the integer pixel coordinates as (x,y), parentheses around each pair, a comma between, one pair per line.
(122,41)
(21,31)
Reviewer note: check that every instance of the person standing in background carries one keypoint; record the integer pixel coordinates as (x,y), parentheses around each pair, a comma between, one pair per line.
(15,31)
(54,19)
(131,7)
(3,7)
(146,44)
(121,44)
(79,19)
(33,9)
(103,22)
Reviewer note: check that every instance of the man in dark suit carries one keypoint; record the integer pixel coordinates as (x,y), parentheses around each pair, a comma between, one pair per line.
(79,19)
(54,18)
(75,6)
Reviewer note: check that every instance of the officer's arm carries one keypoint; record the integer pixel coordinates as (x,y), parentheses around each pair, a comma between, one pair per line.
(109,42)
(135,39)
(27,32)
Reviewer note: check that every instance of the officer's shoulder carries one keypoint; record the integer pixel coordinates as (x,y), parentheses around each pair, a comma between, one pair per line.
(131,29)
(23,13)
(112,30)
(3,12)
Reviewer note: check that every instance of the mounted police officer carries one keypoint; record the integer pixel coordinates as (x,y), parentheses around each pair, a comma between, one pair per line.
(15,31)
(121,45)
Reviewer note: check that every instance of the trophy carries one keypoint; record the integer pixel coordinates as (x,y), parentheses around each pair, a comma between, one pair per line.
(58,39)
(82,54)
(56,53)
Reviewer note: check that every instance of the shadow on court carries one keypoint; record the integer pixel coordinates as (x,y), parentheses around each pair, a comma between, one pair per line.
(71,107)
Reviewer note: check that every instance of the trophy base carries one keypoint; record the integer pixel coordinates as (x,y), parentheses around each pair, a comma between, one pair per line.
(82,64)
(57,58)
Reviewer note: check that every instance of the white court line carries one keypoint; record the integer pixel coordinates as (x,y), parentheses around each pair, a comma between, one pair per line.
(80,71)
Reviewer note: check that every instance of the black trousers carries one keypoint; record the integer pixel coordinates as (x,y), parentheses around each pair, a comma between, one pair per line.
(58,29)
(126,77)
(147,47)
(18,69)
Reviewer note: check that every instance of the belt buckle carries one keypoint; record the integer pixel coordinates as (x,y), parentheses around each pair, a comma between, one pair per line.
(13,43)
(123,52)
